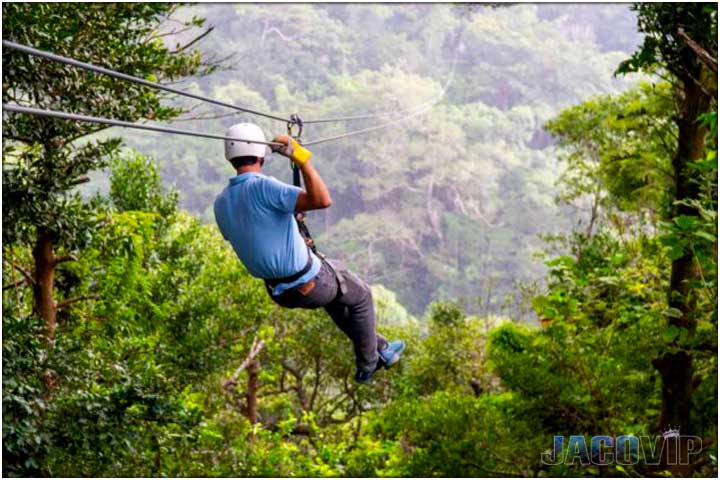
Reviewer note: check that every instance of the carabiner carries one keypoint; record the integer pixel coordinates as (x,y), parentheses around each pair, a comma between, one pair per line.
(295,120)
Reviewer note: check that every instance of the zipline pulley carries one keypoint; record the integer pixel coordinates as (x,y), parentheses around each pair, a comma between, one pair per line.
(295,120)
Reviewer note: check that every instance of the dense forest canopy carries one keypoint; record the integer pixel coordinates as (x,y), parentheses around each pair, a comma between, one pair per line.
(544,238)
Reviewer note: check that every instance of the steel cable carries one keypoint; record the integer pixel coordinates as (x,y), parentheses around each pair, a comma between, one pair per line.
(416,110)
(369,129)
(130,78)
(121,123)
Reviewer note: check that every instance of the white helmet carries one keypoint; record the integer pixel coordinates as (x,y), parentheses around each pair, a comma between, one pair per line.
(246,131)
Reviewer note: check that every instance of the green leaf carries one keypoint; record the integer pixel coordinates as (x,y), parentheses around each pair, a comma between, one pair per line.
(685,222)
(706,235)
(672,312)
(670,333)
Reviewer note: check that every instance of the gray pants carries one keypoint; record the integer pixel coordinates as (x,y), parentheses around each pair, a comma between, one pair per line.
(352,311)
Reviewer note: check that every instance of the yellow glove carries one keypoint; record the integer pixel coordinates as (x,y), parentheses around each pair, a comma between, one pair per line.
(292,149)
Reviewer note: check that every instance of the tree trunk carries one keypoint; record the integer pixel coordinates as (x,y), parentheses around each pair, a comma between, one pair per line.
(676,368)
(44,258)
(253,371)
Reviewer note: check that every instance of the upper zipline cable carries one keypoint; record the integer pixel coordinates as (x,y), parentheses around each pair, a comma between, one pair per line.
(124,76)
(382,114)
(120,123)
(411,112)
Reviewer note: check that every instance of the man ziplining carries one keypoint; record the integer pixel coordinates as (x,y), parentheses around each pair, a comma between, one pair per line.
(256,214)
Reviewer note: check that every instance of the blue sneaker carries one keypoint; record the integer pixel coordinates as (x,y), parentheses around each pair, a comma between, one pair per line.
(364,376)
(387,357)
(391,354)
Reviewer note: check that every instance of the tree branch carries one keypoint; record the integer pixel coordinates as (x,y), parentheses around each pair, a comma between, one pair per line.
(217,62)
(66,258)
(209,117)
(15,283)
(270,393)
(328,416)
(295,372)
(80,180)
(24,140)
(316,385)
(70,301)
(194,40)
(172,32)
(702,54)
(255,348)
(28,276)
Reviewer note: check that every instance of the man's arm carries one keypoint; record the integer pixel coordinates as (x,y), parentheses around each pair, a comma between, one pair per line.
(316,195)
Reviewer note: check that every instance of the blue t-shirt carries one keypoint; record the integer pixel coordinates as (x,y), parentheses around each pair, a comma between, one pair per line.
(255,213)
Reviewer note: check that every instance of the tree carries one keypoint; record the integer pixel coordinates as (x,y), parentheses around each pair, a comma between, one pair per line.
(43,159)
(665,48)
(617,150)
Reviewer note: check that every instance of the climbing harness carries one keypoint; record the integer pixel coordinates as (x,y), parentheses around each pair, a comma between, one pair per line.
(274,282)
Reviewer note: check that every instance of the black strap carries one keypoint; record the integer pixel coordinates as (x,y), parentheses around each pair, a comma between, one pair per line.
(305,233)
(300,216)
(274,282)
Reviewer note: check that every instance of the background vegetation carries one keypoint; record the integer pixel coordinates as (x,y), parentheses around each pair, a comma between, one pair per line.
(544,239)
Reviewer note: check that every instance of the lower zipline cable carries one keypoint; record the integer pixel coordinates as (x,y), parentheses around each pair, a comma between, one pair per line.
(120,123)
(369,129)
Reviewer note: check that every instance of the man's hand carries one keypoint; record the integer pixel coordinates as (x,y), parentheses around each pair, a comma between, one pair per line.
(292,149)
(316,194)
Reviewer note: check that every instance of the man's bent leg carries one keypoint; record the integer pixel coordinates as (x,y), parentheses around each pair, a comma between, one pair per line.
(354,314)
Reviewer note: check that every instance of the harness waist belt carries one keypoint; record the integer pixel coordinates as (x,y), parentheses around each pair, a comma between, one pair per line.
(273,282)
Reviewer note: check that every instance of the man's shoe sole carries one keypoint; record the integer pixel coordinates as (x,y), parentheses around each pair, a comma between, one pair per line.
(395,358)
